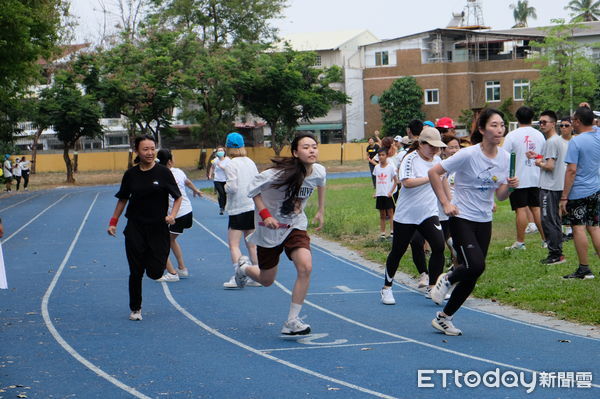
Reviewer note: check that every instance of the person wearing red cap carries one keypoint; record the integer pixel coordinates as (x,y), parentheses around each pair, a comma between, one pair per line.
(445,125)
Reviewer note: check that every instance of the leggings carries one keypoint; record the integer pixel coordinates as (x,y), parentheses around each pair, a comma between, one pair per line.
(431,230)
(417,249)
(25,174)
(471,240)
(222,196)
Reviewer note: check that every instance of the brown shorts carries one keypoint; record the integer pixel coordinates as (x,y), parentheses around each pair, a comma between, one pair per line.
(268,258)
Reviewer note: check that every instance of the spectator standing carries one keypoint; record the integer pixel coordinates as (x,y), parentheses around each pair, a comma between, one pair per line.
(386,182)
(16,171)
(7,173)
(217,173)
(372,150)
(25,169)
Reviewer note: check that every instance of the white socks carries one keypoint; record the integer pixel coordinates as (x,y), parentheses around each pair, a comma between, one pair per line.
(294,311)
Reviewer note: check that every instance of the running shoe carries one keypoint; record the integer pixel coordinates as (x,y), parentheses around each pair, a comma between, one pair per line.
(240,278)
(428,292)
(135,315)
(168,278)
(516,245)
(423,280)
(387,296)
(295,327)
(582,274)
(221,211)
(445,325)
(531,228)
(441,289)
(231,283)
(183,273)
(553,260)
(382,237)
(545,244)
(252,283)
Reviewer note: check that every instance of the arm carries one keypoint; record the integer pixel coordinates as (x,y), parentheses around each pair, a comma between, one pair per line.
(211,172)
(416,182)
(231,185)
(569,179)
(320,215)
(503,191)
(377,138)
(547,164)
(435,174)
(170,219)
(112,228)
(191,186)
(269,221)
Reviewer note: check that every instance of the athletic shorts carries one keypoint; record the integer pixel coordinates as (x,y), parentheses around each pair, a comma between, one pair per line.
(522,197)
(382,203)
(6,180)
(268,258)
(243,221)
(584,211)
(181,223)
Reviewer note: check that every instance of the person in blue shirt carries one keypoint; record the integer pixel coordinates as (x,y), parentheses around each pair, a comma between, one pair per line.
(581,194)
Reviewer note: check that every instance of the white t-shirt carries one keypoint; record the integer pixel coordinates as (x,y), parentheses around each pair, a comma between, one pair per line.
(220,165)
(240,173)
(273,198)
(25,165)
(384,181)
(476,179)
(415,204)
(7,167)
(186,205)
(520,141)
(17,169)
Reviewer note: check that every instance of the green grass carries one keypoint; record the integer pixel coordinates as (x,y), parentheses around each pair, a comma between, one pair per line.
(515,278)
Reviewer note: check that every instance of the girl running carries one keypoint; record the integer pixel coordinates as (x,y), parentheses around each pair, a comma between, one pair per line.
(385,186)
(183,220)
(147,187)
(280,194)
(217,173)
(481,170)
(416,210)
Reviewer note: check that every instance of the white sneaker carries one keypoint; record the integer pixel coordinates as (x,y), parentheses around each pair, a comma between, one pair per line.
(423,280)
(231,283)
(516,245)
(240,278)
(185,273)
(295,327)
(387,296)
(444,324)
(531,228)
(428,292)
(135,315)
(545,244)
(441,289)
(169,278)
(252,283)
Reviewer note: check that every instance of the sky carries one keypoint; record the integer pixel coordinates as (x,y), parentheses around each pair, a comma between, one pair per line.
(386,19)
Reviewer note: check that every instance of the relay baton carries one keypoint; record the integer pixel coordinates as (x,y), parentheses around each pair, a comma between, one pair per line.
(511,172)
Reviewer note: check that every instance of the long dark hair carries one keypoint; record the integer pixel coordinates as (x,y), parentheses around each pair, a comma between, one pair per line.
(293,173)
(484,117)
(138,140)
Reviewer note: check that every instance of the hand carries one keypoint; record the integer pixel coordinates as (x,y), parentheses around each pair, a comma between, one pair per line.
(451,209)
(198,193)
(513,182)
(531,154)
(376,133)
(271,223)
(390,194)
(320,219)
(494,207)
(170,219)
(112,231)
(538,162)
(562,207)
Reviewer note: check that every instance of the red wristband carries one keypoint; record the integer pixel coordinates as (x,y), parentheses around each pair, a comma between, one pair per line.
(265,214)
(113,222)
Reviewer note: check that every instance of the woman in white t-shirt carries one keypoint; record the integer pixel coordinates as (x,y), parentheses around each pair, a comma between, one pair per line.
(217,174)
(416,210)
(183,220)
(280,194)
(481,170)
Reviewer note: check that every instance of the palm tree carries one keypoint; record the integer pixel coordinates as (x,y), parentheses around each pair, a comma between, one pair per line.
(585,10)
(522,11)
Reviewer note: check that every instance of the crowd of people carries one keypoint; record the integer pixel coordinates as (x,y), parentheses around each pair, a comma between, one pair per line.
(15,170)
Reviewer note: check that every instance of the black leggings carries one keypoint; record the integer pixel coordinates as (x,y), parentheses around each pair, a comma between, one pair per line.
(431,230)
(471,240)
(417,249)
(222,196)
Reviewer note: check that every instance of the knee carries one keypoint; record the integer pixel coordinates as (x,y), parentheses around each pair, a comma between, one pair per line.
(304,269)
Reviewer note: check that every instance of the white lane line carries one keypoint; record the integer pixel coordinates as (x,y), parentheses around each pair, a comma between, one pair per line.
(407,288)
(34,218)
(261,353)
(351,293)
(388,333)
(56,334)
(19,203)
(302,348)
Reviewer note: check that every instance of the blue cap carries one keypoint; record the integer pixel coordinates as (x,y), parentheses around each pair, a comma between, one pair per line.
(234,140)
(428,123)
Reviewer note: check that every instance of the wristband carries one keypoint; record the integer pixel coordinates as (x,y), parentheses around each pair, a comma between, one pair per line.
(265,214)
(113,222)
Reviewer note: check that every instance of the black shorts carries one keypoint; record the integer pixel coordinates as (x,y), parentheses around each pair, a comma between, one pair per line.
(584,211)
(522,197)
(243,221)
(382,202)
(181,223)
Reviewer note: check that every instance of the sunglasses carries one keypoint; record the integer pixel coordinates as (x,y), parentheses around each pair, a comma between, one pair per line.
(544,122)
(564,125)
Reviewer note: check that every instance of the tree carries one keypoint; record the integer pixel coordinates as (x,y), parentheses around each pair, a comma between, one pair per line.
(584,10)
(567,74)
(284,88)
(72,114)
(400,104)
(522,11)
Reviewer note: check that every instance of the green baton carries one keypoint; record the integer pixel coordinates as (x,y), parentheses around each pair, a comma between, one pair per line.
(511,172)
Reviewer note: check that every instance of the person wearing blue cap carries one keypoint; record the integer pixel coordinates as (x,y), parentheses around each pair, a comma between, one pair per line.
(7,172)
(240,171)
(429,123)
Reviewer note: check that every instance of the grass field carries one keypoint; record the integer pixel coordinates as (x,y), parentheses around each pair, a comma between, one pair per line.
(515,278)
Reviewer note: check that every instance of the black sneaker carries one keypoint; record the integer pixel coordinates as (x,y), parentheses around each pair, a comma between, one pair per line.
(553,260)
(581,274)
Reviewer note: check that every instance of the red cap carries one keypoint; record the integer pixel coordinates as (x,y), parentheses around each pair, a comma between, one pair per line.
(445,122)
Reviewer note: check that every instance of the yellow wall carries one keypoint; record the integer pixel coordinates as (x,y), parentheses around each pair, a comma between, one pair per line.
(95,161)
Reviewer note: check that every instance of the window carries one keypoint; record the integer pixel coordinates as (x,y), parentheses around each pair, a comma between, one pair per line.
(432,96)
(492,91)
(381,58)
(318,60)
(520,87)
(374,99)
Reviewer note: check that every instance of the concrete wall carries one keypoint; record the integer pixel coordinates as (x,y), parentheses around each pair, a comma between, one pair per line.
(97,161)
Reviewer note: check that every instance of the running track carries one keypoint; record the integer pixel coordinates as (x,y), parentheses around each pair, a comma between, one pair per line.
(64,329)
